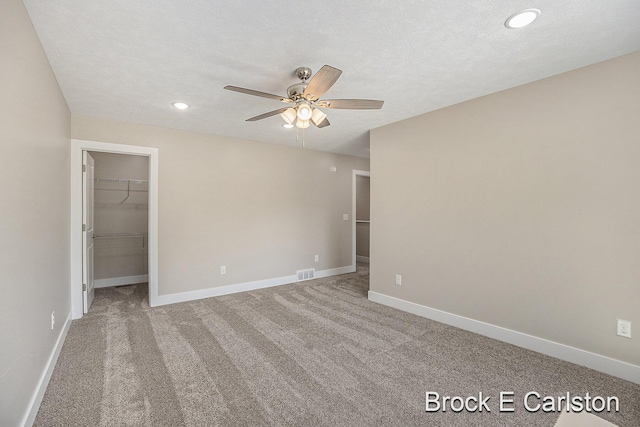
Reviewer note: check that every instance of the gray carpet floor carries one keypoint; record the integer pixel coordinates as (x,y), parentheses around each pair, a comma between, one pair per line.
(315,353)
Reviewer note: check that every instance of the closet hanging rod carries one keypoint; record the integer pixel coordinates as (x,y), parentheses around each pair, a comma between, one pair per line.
(132,181)
(118,235)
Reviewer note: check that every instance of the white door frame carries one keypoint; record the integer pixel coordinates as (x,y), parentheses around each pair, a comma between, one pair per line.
(353,212)
(77,147)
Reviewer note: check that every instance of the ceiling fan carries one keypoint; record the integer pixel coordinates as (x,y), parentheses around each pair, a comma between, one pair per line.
(304,99)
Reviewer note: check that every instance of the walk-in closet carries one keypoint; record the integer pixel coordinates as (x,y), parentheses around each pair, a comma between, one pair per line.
(362,218)
(121,206)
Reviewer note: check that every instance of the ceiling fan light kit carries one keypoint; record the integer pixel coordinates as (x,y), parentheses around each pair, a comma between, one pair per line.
(304,111)
(305,95)
(318,117)
(289,115)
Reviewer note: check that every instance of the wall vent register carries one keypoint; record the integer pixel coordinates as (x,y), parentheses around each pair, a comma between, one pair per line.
(306,274)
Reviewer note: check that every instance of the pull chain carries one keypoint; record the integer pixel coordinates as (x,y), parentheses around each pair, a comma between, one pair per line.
(298,136)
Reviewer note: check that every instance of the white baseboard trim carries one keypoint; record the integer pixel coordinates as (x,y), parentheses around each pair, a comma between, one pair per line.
(243,287)
(361,258)
(617,368)
(119,281)
(335,271)
(38,394)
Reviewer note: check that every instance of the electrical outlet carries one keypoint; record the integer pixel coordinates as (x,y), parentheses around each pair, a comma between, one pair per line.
(345,217)
(53,319)
(223,269)
(317,258)
(624,328)
(398,280)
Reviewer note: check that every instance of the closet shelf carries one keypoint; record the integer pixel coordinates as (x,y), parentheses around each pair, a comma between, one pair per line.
(362,221)
(122,180)
(128,182)
(118,235)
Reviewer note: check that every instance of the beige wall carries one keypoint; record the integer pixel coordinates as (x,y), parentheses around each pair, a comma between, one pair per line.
(520,209)
(34,213)
(114,212)
(261,210)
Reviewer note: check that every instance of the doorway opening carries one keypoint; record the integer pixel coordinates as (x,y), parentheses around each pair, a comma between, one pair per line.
(120,223)
(144,221)
(361,219)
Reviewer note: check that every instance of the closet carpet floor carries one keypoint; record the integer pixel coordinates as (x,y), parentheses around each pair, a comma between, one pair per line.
(315,353)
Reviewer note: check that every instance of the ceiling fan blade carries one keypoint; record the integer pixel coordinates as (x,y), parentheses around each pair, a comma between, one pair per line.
(321,82)
(323,123)
(351,104)
(257,93)
(269,114)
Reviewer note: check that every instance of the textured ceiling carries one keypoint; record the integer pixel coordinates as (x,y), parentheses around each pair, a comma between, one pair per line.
(129,60)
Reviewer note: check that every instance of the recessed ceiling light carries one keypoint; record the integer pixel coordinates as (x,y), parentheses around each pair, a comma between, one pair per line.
(180,105)
(522,18)
(287,125)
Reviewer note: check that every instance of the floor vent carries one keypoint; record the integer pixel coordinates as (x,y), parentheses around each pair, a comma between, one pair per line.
(306,274)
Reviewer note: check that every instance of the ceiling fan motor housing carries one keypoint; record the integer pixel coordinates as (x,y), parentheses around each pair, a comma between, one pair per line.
(295,91)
